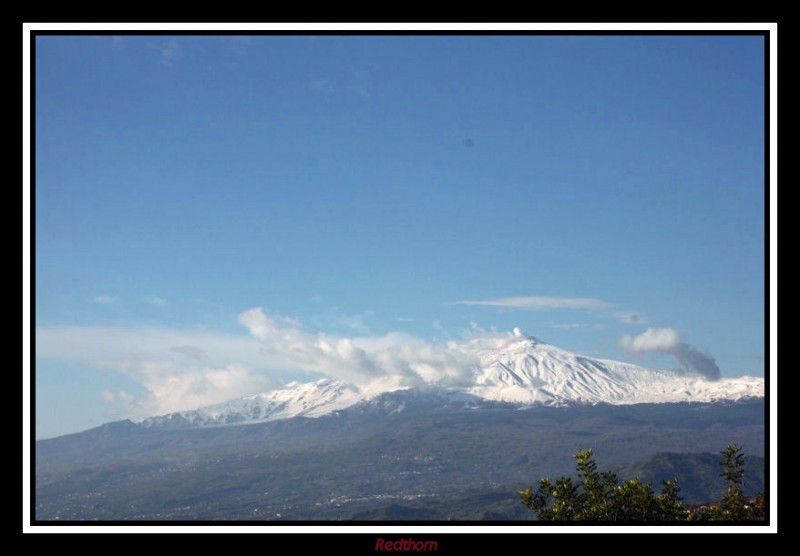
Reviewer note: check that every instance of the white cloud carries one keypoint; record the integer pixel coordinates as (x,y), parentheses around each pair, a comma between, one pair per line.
(155,300)
(173,387)
(538,302)
(668,341)
(122,405)
(104,299)
(87,344)
(185,369)
(653,339)
(361,360)
(179,369)
(126,399)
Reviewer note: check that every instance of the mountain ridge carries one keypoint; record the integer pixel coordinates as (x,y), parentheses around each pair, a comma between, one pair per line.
(366,456)
(518,370)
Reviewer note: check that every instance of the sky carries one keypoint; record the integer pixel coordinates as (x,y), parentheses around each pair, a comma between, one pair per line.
(207,208)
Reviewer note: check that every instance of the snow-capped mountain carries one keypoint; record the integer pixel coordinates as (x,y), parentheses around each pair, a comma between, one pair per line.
(518,370)
(528,371)
(307,399)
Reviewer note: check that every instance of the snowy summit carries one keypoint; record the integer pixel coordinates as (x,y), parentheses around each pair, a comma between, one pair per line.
(519,370)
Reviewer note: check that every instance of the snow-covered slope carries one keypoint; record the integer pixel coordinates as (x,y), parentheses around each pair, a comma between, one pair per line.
(307,399)
(518,369)
(528,371)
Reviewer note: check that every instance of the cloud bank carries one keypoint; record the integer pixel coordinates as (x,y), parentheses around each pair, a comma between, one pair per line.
(538,302)
(177,369)
(173,387)
(361,360)
(668,341)
(180,370)
(186,369)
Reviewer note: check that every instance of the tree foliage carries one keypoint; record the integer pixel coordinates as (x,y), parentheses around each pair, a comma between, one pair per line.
(600,496)
(734,506)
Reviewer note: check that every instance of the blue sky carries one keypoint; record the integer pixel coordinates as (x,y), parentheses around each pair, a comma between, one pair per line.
(583,189)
